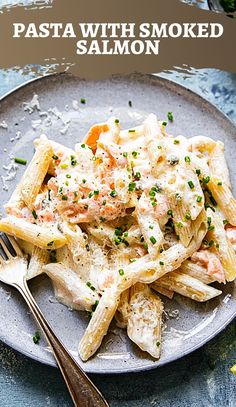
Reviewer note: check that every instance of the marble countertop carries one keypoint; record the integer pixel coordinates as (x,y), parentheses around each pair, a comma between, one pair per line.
(202,379)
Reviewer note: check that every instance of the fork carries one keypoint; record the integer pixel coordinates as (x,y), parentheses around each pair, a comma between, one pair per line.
(13,270)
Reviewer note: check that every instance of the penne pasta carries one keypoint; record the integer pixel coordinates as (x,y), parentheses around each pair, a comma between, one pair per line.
(35,173)
(224,198)
(144,319)
(149,226)
(217,164)
(101,319)
(222,246)
(82,296)
(121,215)
(39,258)
(45,238)
(187,286)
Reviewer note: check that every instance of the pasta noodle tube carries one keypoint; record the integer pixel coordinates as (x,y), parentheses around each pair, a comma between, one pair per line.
(146,271)
(36,172)
(143,270)
(39,258)
(196,271)
(187,286)
(81,295)
(217,164)
(99,323)
(122,312)
(144,319)
(223,247)
(224,198)
(46,238)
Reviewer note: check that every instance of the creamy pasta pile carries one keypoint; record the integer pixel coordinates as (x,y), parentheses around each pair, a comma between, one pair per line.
(123,217)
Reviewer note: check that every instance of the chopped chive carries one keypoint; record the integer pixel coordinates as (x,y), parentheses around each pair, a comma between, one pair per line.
(151,227)
(64,197)
(90,286)
(68,176)
(104,202)
(145,246)
(64,166)
(34,214)
(94,306)
(158,343)
(50,243)
(84,180)
(153,240)
(132,260)
(170,116)
(191,184)
(134,154)
(117,240)
(159,147)
(96,192)
(118,232)
(125,154)
(121,272)
(164,124)
(211,227)
(206,180)
(36,338)
(49,194)
(117,121)
(73,160)
(132,186)
(161,263)
(225,222)
(20,161)
(113,193)
(137,175)
(170,213)
(152,193)
(187,159)
(154,203)
(125,234)
(188,216)
(176,141)
(220,183)
(179,224)
(86,206)
(82,145)
(132,131)
(198,172)
(102,219)
(130,103)
(75,193)
(199,198)
(83,101)
(55,157)
(87,247)
(90,194)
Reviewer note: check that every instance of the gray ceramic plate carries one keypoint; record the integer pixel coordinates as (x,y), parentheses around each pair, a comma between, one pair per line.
(197,323)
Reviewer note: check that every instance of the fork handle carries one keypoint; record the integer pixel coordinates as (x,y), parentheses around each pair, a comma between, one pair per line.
(83,392)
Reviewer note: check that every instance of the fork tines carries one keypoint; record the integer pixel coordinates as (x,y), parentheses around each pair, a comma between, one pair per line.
(8,247)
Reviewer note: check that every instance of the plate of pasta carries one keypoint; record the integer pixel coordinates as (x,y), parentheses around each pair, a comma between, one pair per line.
(120,194)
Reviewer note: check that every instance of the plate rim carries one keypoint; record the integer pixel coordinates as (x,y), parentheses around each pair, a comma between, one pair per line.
(153,365)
